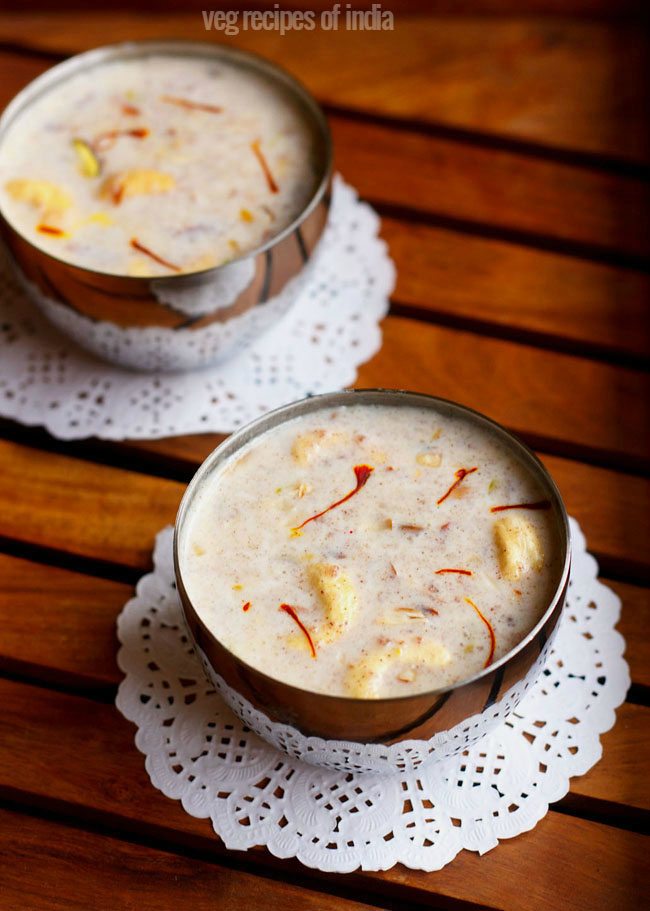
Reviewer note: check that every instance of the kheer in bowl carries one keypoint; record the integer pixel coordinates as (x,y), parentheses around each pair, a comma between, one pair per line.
(373,567)
(167,186)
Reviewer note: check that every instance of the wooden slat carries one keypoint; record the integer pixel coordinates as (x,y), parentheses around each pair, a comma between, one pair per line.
(59,625)
(47,866)
(634,624)
(69,753)
(76,506)
(556,82)
(612,779)
(561,301)
(606,505)
(594,409)
(497,189)
(485,188)
(110,514)
(612,508)
(76,644)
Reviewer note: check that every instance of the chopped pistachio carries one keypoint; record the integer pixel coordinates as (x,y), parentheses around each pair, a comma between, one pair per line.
(88,162)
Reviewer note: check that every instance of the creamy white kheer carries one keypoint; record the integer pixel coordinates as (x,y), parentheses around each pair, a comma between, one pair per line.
(371,551)
(156,165)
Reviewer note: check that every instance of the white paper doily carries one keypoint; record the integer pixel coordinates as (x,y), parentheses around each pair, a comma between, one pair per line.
(198,752)
(45,379)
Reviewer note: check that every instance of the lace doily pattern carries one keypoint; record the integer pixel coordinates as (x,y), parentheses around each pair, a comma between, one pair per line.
(199,752)
(331,329)
(346,756)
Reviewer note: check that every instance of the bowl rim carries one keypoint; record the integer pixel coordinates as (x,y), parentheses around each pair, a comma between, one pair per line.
(250,431)
(182,47)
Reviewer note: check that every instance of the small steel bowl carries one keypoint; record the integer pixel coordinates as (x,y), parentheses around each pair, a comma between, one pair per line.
(188,320)
(377,735)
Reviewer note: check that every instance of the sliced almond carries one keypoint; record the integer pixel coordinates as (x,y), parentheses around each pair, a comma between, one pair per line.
(88,162)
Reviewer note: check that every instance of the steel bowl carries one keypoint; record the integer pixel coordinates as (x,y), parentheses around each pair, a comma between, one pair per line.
(187,320)
(374,734)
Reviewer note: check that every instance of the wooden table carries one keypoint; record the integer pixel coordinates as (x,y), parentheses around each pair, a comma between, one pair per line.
(509,160)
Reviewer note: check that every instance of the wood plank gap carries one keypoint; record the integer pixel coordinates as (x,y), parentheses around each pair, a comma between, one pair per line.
(496,141)
(463,135)
(521,237)
(619,570)
(544,340)
(119,454)
(49,679)
(383,895)
(578,452)
(605,812)
(87,566)
(638,694)
(27,50)
(102,452)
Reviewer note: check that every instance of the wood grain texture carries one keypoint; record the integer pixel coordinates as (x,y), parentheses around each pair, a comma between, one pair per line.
(110,514)
(611,779)
(492,188)
(525,141)
(613,509)
(58,625)
(80,507)
(101,525)
(47,865)
(596,8)
(595,409)
(74,618)
(560,301)
(483,189)
(68,753)
(634,624)
(559,83)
